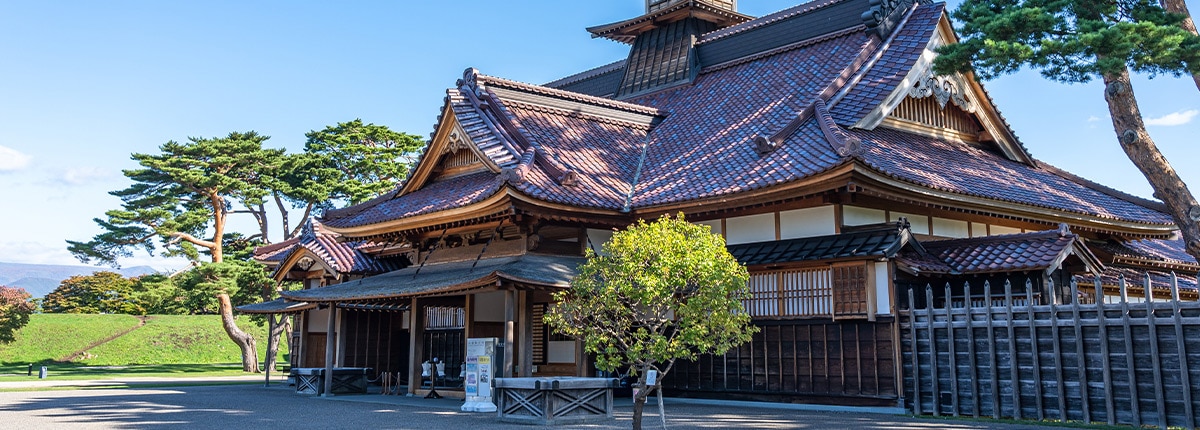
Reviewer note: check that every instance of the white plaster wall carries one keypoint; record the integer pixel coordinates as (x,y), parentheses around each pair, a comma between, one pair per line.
(715,224)
(489,307)
(883,294)
(999,229)
(747,229)
(854,215)
(950,228)
(560,352)
(318,320)
(920,223)
(807,222)
(978,229)
(598,238)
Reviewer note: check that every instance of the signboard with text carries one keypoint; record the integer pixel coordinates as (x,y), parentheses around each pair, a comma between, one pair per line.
(479,374)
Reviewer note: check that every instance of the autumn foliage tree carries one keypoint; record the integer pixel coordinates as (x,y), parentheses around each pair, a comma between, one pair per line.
(98,293)
(658,292)
(1081,40)
(15,309)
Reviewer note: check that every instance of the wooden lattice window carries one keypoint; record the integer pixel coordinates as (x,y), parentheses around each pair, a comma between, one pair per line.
(850,297)
(790,293)
(537,318)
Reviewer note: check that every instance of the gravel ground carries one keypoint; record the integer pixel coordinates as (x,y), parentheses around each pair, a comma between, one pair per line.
(278,407)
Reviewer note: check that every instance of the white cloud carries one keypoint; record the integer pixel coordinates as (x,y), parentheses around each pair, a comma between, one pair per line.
(1093,118)
(1173,119)
(28,252)
(11,159)
(84,175)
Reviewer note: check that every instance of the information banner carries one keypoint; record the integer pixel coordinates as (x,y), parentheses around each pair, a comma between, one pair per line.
(478,383)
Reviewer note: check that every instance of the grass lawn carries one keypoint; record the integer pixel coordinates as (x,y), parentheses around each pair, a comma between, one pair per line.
(167,345)
(50,337)
(177,339)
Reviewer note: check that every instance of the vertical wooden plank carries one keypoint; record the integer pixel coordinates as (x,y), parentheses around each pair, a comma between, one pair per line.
(995,367)
(971,350)
(1058,358)
(796,356)
(933,358)
(953,352)
(1110,404)
(1035,350)
(858,355)
(1014,367)
(1185,377)
(331,339)
(510,328)
(916,353)
(1129,361)
(812,374)
(779,351)
(1159,401)
(1081,360)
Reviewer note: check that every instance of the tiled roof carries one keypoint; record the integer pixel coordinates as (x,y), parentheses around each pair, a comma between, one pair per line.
(892,67)
(440,195)
(964,169)
(704,148)
(1135,278)
(1003,253)
(696,142)
(603,152)
(884,241)
(343,257)
(541,270)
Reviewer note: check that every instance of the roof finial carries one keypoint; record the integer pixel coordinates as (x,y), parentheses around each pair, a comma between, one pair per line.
(1064,230)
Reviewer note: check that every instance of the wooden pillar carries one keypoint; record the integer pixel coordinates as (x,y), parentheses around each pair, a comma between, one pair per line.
(330,339)
(510,309)
(298,350)
(416,342)
(526,323)
(339,356)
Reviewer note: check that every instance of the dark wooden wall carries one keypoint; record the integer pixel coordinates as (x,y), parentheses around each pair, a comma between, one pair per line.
(375,340)
(848,362)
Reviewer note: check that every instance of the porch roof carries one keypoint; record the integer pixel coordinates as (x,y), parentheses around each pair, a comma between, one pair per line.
(447,278)
(277,306)
(883,240)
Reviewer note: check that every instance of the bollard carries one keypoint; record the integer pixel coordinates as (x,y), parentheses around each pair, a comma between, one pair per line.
(30,369)
(42,373)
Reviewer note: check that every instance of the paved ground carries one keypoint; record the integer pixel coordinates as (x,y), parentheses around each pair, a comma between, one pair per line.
(278,407)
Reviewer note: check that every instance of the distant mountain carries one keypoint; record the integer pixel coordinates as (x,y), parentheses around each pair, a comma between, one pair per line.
(41,279)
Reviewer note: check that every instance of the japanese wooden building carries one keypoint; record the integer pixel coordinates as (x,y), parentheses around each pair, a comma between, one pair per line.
(816,140)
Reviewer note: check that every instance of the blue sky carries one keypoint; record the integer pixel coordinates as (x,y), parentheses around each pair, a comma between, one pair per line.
(84,83)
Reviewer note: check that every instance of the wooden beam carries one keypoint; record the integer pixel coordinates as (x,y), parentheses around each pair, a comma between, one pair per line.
(510,303)
(416,342)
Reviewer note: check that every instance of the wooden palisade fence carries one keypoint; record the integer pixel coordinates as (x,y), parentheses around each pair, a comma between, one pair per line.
(1119,363)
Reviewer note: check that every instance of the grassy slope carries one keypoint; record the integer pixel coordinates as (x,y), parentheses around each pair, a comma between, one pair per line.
(165,339)
(177,339)
(49,337)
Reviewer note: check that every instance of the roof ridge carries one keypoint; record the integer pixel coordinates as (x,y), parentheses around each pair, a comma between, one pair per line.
(586,74)
(473,74)
(604,30)
(577,114)
(782,49)
(998,238)
(764,20)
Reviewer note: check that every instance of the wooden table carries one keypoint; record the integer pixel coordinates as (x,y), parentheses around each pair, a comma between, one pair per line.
(346,380)
(554,400)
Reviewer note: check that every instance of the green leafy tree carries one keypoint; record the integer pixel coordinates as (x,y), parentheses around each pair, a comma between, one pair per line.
(1080,40)
(659,292)
(214,288)
(98,293)
(158,295)
(181,195)
(15,308)
(355,161)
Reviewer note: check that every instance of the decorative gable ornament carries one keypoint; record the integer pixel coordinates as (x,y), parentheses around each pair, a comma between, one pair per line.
(884,16)
(946,89)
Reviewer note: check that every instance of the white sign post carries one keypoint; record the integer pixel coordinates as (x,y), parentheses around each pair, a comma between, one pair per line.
(479,375)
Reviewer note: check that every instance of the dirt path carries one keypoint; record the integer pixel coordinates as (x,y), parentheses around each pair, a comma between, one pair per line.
(75,355)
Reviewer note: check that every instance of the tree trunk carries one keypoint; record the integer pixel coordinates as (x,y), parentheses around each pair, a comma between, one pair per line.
(1168,187)
(276,325)
(1180,7)
(244,340)
(639,400)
